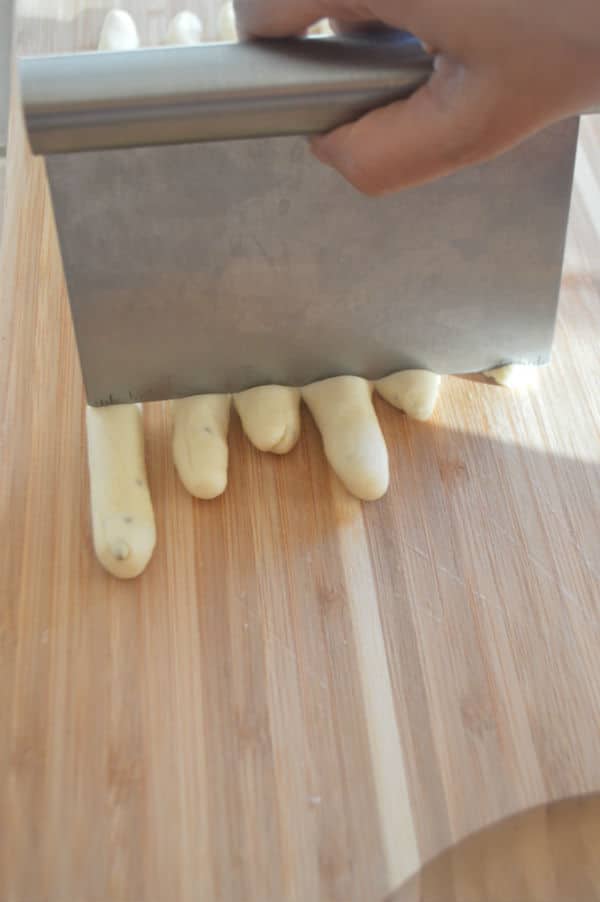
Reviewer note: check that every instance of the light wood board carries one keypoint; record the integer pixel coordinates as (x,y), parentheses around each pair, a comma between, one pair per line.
(303,698)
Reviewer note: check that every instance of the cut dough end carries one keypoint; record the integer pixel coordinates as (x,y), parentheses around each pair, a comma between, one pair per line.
(123,526)
(270,417)
(200,426)
(286,441)
(119,32)
(126,545)
(184,29)
(320,29)
(352,438)
(514,375)
(413,391)
(206,486)
(365,468)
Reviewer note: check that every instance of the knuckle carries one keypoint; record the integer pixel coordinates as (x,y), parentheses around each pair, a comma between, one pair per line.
(469,115)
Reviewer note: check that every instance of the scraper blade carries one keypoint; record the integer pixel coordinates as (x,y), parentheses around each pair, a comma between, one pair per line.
(197,264)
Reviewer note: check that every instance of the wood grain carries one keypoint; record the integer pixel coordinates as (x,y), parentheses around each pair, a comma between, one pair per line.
(303,698)
(2,192)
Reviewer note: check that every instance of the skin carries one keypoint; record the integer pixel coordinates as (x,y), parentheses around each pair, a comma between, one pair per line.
(504,69)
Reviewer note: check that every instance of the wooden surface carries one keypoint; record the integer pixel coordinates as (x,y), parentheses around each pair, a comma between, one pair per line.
(2,183)
(304,698)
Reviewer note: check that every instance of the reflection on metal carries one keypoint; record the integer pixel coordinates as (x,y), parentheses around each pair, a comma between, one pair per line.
(212,92)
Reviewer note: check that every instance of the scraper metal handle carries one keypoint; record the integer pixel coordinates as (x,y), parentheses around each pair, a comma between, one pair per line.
(214,92)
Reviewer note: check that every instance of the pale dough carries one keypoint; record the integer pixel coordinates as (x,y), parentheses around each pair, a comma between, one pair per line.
(413,391)
(514,375)
(119,32)
(200,452)
(184,28)
(321,28)
(270,417)
(122,516)
(352,437)
(226,24)
(123,524)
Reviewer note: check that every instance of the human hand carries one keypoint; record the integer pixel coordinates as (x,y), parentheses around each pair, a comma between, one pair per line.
(503,70)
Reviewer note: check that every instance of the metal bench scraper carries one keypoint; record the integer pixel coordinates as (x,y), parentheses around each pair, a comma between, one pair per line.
(205,250)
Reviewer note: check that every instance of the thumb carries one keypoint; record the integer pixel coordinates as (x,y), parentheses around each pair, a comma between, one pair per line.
(274,18)
(440,128)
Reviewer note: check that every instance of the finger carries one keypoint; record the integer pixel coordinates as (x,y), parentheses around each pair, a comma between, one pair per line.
(123,527)
(270,417)
(437,130)
(352,438)
(277,18)
(374,29)
(200,452)
(357,25)
(413,391)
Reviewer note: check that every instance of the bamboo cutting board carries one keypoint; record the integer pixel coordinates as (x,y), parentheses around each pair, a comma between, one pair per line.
(303,698)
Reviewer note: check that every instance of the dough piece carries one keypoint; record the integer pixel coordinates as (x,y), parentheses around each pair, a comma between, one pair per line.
(122,516)
(514,375)
(321,28)
(200,451)
(226,24)
(118,32)
(270,417)
(353,441)
(413,391)
(184,28)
